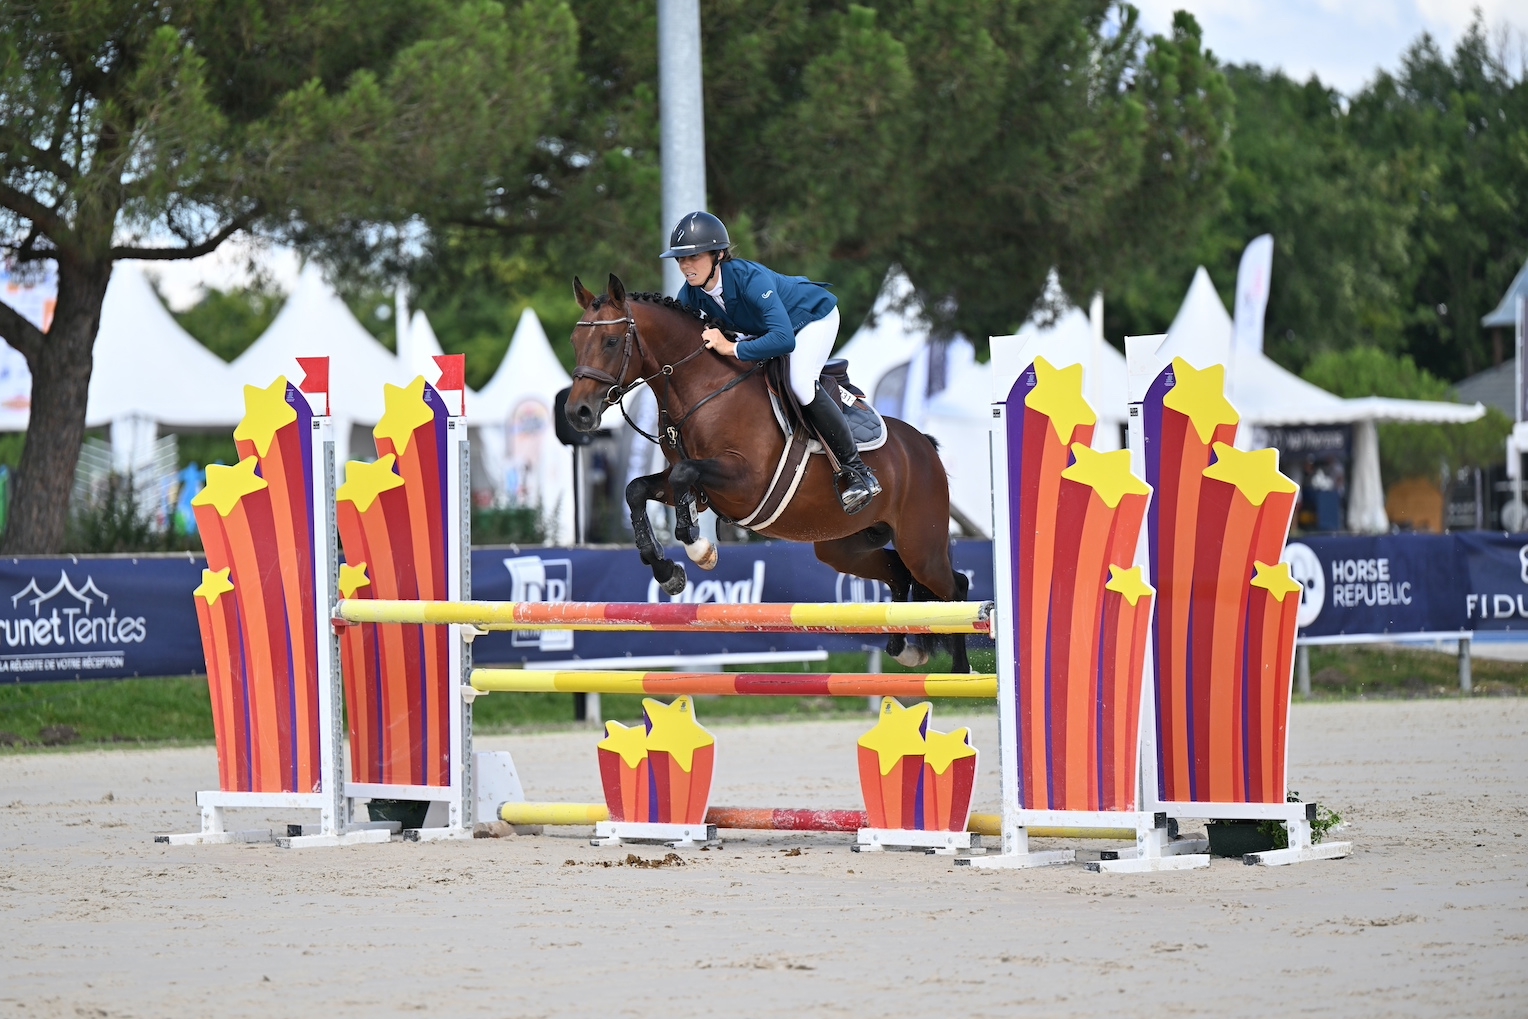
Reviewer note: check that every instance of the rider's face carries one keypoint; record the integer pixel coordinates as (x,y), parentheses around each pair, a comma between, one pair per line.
(697,268)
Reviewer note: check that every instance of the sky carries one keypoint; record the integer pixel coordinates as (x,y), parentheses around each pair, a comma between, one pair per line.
(1342,41)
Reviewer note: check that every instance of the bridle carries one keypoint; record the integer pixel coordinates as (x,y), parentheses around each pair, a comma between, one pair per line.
(615,395)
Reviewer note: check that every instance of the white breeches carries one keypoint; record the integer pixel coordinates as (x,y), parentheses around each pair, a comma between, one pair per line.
(814,345)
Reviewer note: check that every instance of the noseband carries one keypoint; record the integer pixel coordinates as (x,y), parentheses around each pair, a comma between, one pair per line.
(618,389)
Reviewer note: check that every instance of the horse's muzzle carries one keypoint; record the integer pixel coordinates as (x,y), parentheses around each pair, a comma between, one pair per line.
(582,416)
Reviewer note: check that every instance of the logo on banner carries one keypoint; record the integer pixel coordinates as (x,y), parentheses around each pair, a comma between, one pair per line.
(65,627)
(1497,605)
(541,580)
(1305,567)
(748,591)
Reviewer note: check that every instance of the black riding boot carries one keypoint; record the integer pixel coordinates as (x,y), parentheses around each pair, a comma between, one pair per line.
(858,483)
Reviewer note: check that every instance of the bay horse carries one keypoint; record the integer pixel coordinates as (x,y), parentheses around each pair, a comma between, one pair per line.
(719,435)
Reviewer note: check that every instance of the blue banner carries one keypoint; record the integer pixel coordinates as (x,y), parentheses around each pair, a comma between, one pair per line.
(99,617)
(1411,583)
(108,617)
(764,572)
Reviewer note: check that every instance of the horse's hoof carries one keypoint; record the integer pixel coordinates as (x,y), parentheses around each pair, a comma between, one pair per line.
(703,553)
(676,582)
(913,657)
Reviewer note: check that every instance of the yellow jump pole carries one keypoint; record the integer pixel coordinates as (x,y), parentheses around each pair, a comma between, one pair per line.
(755,684)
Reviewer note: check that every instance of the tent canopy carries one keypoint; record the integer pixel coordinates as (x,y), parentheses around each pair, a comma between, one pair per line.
(147,366)
(1505,313)
(530,368)
(894,331)
(314,322)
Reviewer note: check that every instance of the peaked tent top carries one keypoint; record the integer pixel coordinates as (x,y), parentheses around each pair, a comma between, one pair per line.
(147,366)
(314,322)
(1502,316)
(530,368)
(894,332)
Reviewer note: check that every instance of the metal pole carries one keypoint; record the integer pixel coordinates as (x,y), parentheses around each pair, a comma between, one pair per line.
(578,498)
(681,120)
(1302,668)
(873,665)
(1466,681)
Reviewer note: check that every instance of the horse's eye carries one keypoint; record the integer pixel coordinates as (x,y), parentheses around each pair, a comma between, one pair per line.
(609,342)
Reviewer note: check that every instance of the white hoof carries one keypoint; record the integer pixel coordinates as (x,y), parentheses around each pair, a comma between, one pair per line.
(913,657)
(702,553)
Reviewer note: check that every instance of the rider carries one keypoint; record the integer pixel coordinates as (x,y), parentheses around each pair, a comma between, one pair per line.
(780,315)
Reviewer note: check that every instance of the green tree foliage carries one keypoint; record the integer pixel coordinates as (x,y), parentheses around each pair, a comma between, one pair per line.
(145,129)
(976,142)
(1411,450)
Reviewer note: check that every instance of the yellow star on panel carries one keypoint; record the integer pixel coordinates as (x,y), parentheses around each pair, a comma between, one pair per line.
(266,412)
(1201,397)
(227,485)
(675,730)
(1058,395)
(406,411)
(365,481)
(899,732)
(1275,579)
(943,749)
(1108,474)
(215,584)
(1131,583)
(352,579)
(1254,474)
(628,741)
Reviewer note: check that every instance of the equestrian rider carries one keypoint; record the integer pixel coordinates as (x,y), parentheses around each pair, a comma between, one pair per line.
(779,315)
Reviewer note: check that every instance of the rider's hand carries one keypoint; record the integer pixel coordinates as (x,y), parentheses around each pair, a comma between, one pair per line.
(719,343)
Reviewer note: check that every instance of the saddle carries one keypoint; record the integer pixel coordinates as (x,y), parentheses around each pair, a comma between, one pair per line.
(801,441)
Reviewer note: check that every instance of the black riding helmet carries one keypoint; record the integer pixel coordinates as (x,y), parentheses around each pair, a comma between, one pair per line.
(697,232)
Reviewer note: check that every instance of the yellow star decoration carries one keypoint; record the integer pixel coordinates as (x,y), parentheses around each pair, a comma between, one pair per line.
(675,730)
(406,411)
(1058,395)
(898,732)
(352,579)
(1131,583)
(1201,397)
(215,584)
(365,481)
(227,485)
(1275,579)
(1254,474)
(266,412)
(943,749)
(1108,474)
(628,741)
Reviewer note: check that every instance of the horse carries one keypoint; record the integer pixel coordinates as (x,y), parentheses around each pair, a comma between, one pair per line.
(718,433)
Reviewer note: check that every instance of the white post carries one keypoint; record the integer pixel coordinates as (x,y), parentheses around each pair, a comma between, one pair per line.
(681,120)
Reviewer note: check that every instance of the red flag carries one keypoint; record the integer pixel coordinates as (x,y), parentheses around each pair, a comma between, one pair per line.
(315,377)
(453,372)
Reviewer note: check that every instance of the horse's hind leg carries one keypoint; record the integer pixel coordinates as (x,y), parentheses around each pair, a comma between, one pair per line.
(669,574)
(865,555)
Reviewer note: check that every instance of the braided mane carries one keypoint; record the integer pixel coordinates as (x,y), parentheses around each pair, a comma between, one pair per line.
(662,301)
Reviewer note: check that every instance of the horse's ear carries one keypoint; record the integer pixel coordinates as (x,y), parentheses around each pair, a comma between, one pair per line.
(617,289)
(581,294)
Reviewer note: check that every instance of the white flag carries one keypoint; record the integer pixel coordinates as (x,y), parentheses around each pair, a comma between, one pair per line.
(1252,280)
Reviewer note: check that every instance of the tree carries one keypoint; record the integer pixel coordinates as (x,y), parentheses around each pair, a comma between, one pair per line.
(149,130)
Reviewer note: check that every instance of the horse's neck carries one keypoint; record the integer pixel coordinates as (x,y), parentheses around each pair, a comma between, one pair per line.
(668,337)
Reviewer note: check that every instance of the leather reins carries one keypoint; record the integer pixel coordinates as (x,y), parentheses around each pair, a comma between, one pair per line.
(669,428)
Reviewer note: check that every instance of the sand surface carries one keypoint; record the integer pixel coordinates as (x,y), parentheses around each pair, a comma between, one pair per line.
(1428,917)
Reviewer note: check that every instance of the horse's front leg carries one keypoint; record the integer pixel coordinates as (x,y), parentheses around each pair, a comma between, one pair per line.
(683,478)
(669,574)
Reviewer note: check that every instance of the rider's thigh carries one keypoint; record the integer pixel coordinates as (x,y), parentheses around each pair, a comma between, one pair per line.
(814,345)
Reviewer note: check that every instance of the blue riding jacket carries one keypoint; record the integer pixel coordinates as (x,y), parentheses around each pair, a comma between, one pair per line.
(765,305)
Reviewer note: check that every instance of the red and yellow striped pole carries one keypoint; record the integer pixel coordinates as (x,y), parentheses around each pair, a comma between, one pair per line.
(738,684)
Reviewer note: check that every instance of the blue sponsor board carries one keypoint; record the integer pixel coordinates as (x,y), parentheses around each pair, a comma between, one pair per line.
(764,572)
(109,617)
(100,617)
(1411,583)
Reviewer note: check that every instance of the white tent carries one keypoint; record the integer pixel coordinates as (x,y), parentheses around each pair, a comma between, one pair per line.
(513,416)
(1269,395)
(314,322)
(150,372)
(891,335)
